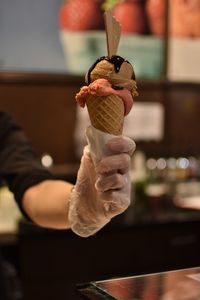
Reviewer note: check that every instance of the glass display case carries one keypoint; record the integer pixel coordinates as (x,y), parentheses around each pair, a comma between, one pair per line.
(174,285)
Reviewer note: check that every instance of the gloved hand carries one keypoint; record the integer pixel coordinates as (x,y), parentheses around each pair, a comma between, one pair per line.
(103,187)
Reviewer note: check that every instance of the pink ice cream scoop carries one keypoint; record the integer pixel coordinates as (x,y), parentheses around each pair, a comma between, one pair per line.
(101,87)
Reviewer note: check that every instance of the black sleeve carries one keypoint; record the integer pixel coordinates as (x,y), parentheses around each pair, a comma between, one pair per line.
(20,167)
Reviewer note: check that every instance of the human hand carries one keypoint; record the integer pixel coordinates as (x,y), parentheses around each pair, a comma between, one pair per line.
(103,187)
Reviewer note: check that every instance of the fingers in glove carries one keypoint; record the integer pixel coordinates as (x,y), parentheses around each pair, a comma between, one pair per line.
(121,144)
(114,164)
(110,182)
(114,202)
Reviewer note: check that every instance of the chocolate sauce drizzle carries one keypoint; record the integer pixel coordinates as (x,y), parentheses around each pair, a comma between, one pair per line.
(116,60)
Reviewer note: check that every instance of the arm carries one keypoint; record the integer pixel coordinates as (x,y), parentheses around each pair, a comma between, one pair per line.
(46,203)
(102,190)
(41,199)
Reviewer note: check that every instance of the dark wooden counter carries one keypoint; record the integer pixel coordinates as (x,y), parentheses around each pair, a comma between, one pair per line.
(54,262)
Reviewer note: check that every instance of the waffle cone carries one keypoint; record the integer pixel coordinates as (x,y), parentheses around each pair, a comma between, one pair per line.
(106,113)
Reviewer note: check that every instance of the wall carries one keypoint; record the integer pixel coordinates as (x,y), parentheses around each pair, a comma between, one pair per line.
(44,106)
(29,36)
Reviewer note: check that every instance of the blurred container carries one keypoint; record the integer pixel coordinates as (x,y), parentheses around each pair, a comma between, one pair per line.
(184,18)
(184,40)
(156,10)
(131,16)
(184,59)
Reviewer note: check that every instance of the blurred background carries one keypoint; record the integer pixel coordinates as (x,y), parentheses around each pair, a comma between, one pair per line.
(46,47)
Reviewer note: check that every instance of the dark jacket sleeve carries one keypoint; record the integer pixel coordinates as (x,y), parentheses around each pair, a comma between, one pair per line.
(20,167)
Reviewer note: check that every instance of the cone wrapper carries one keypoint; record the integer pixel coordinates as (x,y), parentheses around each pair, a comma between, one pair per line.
(97,140)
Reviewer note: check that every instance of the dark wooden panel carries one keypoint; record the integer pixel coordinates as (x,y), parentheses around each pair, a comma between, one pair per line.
(46,110)
(183,126)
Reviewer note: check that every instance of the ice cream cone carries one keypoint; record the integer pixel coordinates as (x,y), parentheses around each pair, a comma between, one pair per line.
(111,85)
(106,113)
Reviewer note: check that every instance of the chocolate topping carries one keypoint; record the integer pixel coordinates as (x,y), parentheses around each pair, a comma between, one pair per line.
(116,60)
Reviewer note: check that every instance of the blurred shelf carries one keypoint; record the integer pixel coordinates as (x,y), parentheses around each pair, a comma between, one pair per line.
(145,52)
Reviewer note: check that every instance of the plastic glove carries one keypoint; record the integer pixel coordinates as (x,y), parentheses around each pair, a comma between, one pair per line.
(103,187)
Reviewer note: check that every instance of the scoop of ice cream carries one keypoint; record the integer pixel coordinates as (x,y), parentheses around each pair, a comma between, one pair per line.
(118,71)
(102,87)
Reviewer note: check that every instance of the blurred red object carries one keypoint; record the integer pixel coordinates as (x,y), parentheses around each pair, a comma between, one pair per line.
(185,18)
(156,10)
(79,15)
(131,16)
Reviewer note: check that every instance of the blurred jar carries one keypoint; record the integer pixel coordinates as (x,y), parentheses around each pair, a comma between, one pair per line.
(131,16)
(156,10)
(184,18)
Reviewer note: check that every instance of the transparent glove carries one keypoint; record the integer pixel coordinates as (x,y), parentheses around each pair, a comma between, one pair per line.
(103,187)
